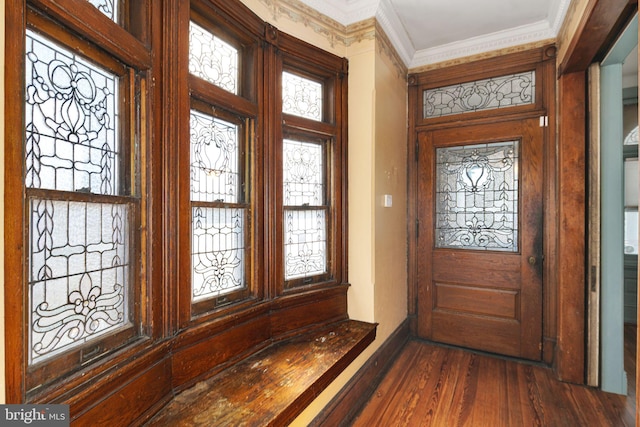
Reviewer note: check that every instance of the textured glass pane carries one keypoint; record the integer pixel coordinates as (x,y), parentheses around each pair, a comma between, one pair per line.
(301,97)
(213,59)
(305,248)
(214,159)
(477,197)
(71,121)
(303,174)
(218,252)
(108,7)
(78,274)
(488,94)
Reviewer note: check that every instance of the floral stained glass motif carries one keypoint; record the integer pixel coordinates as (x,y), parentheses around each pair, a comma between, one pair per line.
(305,230)
(71,121)
(303,173)
(78,274)
(477,197)
(214,159)
(301,97)
(218,232)
(78,251)
(480,95)
(218,252)
(213,59)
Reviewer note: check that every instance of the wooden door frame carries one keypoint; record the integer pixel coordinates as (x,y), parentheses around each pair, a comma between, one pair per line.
(543,60)
(598,28)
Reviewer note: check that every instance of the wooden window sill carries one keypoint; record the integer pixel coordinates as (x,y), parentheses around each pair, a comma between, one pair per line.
(274,385)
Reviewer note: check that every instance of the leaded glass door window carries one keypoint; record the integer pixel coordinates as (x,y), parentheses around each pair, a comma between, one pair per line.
(477,196)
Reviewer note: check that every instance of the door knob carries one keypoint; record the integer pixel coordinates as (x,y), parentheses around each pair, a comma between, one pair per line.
(532,260)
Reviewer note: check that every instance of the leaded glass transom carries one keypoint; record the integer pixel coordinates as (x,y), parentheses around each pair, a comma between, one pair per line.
(480,95)
(78,258)
(108,7)
(213,59)
(214,159)
(477,197)
(303,173)
(71,121)
(78,273)
(301,97)
(218,252)
(305,243)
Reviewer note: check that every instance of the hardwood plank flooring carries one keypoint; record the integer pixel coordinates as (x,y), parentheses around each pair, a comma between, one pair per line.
(431,385)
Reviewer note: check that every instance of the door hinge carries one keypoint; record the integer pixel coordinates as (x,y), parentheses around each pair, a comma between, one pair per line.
(417,228)
(417,150)
(544,121)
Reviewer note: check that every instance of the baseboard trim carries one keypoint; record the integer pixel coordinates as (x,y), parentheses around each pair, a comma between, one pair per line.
(349,401)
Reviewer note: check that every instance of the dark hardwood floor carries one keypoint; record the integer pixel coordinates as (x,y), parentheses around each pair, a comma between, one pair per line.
(431,385)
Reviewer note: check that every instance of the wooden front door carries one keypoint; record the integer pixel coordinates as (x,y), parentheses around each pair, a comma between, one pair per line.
(480,236)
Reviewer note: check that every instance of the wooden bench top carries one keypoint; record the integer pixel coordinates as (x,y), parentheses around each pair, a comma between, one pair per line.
(273,386)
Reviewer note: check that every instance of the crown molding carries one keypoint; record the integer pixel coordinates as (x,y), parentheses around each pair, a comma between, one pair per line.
(499,40)
(348,12)
(390,22)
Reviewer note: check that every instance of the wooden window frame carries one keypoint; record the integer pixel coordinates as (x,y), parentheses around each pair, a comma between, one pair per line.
(178,343)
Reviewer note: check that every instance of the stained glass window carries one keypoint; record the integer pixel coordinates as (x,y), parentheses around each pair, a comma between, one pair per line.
(213,59)
(79,250)
(71,120)
(305,225)
(477,197)
(108,7)
(218,232)
(301,97)
(480,95)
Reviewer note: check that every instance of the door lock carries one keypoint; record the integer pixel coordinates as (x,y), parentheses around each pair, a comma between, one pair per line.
(532,260)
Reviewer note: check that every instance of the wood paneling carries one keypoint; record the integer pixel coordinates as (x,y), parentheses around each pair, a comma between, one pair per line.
(273,386)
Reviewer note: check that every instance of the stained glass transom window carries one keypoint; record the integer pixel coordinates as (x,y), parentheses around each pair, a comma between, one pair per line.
(78,251)
(305,229)
(213,59)
(477,197)
(71,121)
(479,95)
(108,7)
(218,252)
(301,97)
(214,159)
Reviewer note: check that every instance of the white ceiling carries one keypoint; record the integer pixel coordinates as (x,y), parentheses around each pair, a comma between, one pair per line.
(429,31)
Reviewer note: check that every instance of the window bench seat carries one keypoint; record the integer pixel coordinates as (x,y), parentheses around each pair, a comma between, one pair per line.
(273,386)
